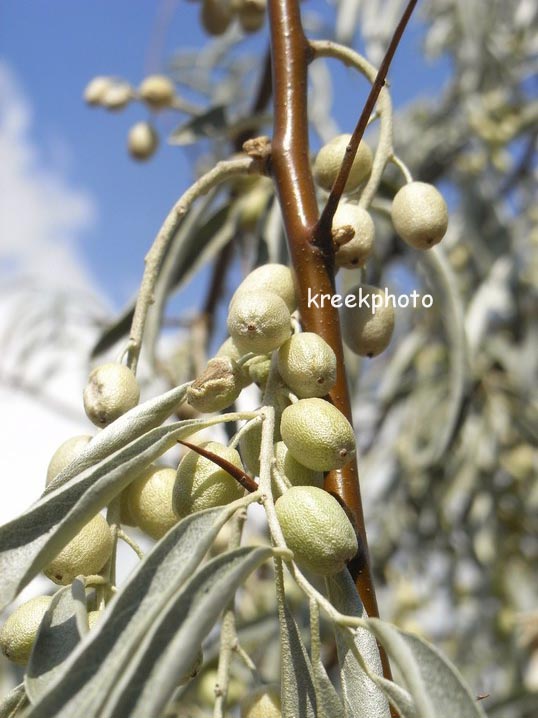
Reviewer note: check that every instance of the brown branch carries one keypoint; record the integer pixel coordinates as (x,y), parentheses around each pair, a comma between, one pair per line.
(325,221)
(313,268)
(246,481)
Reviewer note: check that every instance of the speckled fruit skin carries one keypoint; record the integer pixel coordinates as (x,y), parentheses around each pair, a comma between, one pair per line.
(317,529)
(201,484)
(420,215)
(317,434)
(157,91)
(142,141)
(18,633)
(111,390)
(85,554)
(329,159)
(259,322)
(150,501)
(276,278)
(65,454)
(356,251)
(296,473)
(366,333)
(218,386)
(307,364)
(264,702)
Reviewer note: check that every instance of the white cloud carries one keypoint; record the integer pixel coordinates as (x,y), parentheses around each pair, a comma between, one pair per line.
(44,334)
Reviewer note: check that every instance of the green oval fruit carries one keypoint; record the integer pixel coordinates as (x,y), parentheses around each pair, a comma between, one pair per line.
(355,251)
(330,157)
(18,634)
(216,16)
(201,484)
(157,91)
(250,445)
(218,387)
(317,434)
(307,364)
(420,215)
(264,702)
(275,278)
(65,454)
(316,528)
(365,331)
(142,141)
(296,473)
(259,322)
(111,390)
(84,555)
(149,500)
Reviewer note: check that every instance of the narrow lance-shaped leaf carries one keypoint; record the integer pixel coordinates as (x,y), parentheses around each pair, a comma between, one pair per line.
(434,683)
(170,649)
(362,697)
(95,665)
(12,705)
(31,541)
(58,635)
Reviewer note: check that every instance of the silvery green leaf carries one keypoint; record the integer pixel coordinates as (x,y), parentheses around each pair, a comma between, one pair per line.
(435,685)
(297,684)
(30,542)
(58,635)
(93,668)
(362,697)
(14,702)
(170,648)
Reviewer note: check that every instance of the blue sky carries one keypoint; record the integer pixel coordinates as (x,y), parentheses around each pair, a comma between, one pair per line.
(54,48)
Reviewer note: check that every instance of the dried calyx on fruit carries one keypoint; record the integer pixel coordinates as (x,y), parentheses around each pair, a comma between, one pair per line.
(201,484)
(353,234)
(420,215)
(317,434)
(307,364)
(111,390)
(149,501)
(142,141)
(316,528)
(367,330)
(259,321)
(329,159)
(18,634)
(218,387)
(84,555)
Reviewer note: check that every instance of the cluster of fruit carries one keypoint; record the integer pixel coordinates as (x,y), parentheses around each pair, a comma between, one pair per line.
(419,215)
(216,16)
(157,92)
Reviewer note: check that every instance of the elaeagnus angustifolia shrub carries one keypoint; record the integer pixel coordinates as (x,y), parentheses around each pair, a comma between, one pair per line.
(420,215)
(307,364)
(259,321)
(329,159)
(367,328)
(112,389)
(18,634)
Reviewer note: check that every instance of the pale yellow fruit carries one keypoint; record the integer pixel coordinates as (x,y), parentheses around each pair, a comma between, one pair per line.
(316,528)
(111,390)
(276,278)
(142,141)
(253,204)
(65,454)
(93,618)
(202,484)
(365,331)
(259,322)
(157,91)
(218,386)
(216,16)
(329,159)
(117,96)
(264,702)
(420,215)
(84,555)
(307,364)
(205,690)
(95,90)
(251,15)
(317,434)
(18,634)
(356,251)
(296,473)
(150,501)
